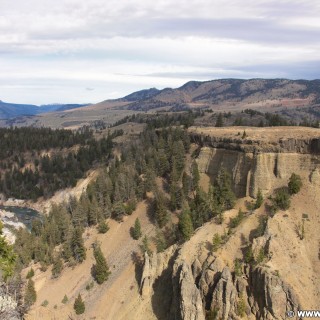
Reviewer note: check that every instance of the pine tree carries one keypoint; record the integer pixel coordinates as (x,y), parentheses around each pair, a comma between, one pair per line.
(101,269)
(145,246)
(185,225)
(57,268)
(30,296)
(164,165)
(195,175)
(161,241)
(216,242)
(186,183)
(65,299)
(136,232)
(259,199)
(79,305)
(77,245)
(219,122)
(161,212)
(224,196)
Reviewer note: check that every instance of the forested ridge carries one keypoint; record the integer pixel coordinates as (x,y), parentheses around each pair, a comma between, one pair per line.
(36,162)
(132,177)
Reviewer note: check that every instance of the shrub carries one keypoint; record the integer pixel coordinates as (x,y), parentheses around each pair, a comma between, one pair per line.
(45,303)
(248,257)
(89,286)
(30,274)
(281,200)
(261,256)
(103,227)
(234,222)
(130,206)
(294,184)
(241,307)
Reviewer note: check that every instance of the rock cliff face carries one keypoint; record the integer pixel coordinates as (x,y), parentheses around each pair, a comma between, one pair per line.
(205,285)
(252,170)
(210,289)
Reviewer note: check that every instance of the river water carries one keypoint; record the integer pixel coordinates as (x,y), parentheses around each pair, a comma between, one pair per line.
(23,214)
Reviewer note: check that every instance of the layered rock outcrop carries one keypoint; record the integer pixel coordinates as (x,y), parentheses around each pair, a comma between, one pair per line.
(253,170)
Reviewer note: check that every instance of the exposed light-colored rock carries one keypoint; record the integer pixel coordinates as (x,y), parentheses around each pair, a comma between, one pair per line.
(191,307)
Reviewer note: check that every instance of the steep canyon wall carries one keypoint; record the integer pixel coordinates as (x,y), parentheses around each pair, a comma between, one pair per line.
(254,166)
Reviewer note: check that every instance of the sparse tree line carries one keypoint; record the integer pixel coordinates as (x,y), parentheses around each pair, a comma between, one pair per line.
(258,119)
(161,120)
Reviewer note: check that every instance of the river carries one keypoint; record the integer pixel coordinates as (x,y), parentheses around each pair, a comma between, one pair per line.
(23,214)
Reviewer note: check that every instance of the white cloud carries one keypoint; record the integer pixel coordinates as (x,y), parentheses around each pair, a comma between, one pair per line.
(63,47)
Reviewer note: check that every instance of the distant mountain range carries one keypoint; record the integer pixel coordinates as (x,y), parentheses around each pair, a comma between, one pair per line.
(299,97)
(227,91)
(13,110)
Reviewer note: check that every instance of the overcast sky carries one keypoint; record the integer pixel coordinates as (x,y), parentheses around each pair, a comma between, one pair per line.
(77,51)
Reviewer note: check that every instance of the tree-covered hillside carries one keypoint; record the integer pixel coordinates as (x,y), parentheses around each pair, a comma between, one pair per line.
(36,162)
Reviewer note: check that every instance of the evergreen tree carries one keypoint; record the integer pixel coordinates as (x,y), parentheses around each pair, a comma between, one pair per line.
(57,268)
(178,156)
(195,175)
(164,165)
(185,225)
(186,184)
(259,199)
(145,247)
(7,257)
(216,242)
(93,212)
(77,245)
(224,196)
(101,269)
(30,295)
(136,232)
(65,299)
(161,241)
(79,305)
(161,212)
(219,122)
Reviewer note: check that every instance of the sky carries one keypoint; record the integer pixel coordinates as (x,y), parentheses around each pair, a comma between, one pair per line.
(81,51)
